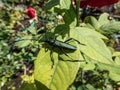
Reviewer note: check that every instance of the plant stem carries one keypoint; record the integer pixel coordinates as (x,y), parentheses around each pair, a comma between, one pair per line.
(77,11)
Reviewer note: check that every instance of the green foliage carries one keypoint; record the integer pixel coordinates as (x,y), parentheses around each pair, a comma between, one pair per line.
(51,4)
(57,70)
(110,28)
(68,14)
(54,65)
(28,83)
(26,40)
(9,62)
(91,66)
(103,24)
(19,44)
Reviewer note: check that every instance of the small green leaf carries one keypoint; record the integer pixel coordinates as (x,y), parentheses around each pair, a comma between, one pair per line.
(50,4)
(90,87)
(25,41)
(117,60)
(32,30)
(92,21)
(28,86)
(103,19)
(68,14)
(28,83)
(82,87)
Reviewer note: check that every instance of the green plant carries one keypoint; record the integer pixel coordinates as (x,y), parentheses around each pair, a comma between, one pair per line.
(17,55)
(56,71)
(91,65)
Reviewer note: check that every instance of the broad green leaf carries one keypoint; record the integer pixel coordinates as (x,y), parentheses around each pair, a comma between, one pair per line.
(50,4)
(114,70)
(103,19)
(92,21)
(68,14)
(72,56)
(94,46)
(58,76)
(86,32)
(110,28)
(87,25)
(25,41)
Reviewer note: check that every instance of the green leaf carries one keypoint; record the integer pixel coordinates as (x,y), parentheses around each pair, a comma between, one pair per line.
(114,70)
(94,46)
(62,29)
(28,83)
(68,14)
(70,55)
(117,60)
(32,30)
(116,53)
(58,76)
(85,32)
(50,4)
(82,87)
(90,87)
(103,19)
(110,28)
(28,86)
(92,21)
(25,41)
(89,66)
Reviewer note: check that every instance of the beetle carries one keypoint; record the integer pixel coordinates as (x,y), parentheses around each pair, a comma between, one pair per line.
(60,44)
(63,45)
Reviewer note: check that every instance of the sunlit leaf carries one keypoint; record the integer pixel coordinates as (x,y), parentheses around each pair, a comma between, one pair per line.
(93,47)
(89,66)
(92,21)
(110,28)
(63,71)
(103,19)
(114,70)
(69,14)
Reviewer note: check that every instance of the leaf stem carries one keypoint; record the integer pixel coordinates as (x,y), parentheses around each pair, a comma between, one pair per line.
(77,11)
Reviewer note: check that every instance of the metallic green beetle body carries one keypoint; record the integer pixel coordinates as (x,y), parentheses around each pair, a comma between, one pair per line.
(60,44)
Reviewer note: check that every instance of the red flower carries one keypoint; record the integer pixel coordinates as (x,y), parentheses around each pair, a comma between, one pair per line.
(96,3)
(31,12)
